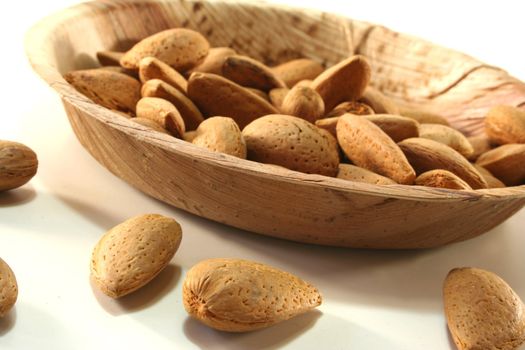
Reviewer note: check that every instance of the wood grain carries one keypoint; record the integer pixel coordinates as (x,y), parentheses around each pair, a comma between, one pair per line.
(266,199)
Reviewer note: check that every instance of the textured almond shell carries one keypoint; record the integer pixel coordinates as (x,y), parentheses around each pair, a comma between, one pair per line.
(152,68)
(180,48)
(442,179)
(395,126)
(236,295)
(215,95)
(482,310)
(422,116)
(380,103)
(294,71)
(303,102)
(345,81)
(162,112)
(149,123)
(328,124)
(248,72)
(491,180)
(425,155)
(447,136)
(188,111)
(292,143)
(18,164)
(357,174)
(277,96)
(107,88)
(480,144)
(132,253)
(506,163)
(505,124)
(352,107)
(221,134)
(369,147)
(214,60)
(8,288)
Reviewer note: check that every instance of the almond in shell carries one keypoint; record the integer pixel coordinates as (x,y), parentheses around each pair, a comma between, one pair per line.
(345,81)
(109,58)
(448,136)
(480,144)
(425,155)
(236,295)
(180,48)
(505,163)
(249,72)
(492,182)
(152,68)
(303,102)
(18,164)
(379,102)
(107,88)
(221,134)
(277,96)
(162,112)
(291,142)
(218,96)
(482,311)
(505,124)
(294,71)
(352,107)
(8,288)
(214,60)
(441,179)
(422,116)
(357,174)
(328,124)
(151,124)
(132,253)
(369,147)
(395,126)
(187,109)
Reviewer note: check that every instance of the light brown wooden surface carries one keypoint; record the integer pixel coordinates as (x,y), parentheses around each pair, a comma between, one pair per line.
(266,199)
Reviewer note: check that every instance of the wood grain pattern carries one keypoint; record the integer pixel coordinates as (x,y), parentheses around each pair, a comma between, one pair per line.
(265,199)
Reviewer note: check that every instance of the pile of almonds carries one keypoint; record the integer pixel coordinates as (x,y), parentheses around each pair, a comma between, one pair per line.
(299,115)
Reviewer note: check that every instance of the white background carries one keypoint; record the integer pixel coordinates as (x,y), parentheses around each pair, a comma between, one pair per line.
(372,299)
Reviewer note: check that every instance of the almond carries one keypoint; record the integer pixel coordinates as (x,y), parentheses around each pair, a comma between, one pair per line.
(221,134)
(422,116)
(425,155)
(109,58)
(18,164)
(190,135)
(346,81)
(505,163)
(215,95)
(352,107)
(180,48)
(248,72)
(187,109)
(442,179)
(328,124)
(395,126)
(236,295)
(505,124)
(277,96)
(369,147)
(492,182)
(152,68)
(480,144)
(162,112)
(214,61)
(107,88)
(482,310)
(379,102)
(292,143)
(294,71)
(303,102)
(132,253)
(149,123)
(357,174)
(448,136)
(305,82)
(8,288)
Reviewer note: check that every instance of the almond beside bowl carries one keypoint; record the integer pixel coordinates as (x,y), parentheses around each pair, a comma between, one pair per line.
(267,199)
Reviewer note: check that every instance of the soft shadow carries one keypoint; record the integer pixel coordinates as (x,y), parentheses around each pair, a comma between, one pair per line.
(85,61)
(123,45)
(142,298)
(17,196)
(8,321)
(273,337)
(449,338)
(97,215)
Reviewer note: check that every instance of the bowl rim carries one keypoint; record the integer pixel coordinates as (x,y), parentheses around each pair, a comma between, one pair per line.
(41,32)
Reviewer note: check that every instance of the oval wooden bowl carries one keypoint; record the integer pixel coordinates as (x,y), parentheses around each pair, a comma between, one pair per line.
(260,198)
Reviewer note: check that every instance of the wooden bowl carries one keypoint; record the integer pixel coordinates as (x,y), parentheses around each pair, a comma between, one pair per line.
(264,199)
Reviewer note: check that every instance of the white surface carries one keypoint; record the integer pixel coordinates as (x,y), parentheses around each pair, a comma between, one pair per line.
(372,299)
